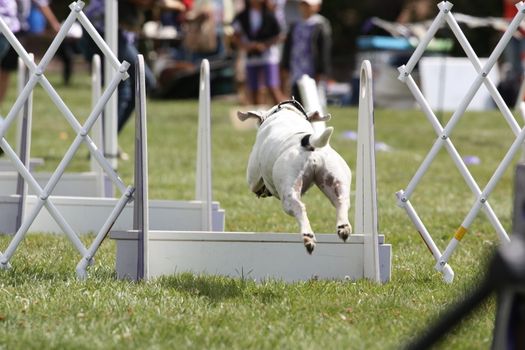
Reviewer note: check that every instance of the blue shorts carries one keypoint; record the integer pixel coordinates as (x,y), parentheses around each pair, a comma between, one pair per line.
(269,72)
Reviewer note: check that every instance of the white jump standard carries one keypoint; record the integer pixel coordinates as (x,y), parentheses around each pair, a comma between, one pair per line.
(444,133)
(257,256)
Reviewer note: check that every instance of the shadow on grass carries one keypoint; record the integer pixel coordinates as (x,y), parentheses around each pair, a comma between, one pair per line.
(217,288)
(214,288)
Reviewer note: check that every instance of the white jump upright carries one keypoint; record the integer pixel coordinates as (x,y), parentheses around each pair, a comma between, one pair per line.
(365,221)
(250,255)
(444,133)
(311,98)
(203,182)
(96,131)
(141,207)
(111,109)
(23,141)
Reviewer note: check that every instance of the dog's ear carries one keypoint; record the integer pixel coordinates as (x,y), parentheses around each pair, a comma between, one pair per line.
(318,117)
(251,114)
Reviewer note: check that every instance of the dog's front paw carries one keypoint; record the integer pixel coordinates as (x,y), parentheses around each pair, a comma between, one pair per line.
(343,231)
(309,242)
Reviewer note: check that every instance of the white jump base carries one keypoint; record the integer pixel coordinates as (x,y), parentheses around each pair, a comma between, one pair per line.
(254,256)
(87,215)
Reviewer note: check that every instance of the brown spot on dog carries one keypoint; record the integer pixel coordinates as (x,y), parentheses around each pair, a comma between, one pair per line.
(329,180)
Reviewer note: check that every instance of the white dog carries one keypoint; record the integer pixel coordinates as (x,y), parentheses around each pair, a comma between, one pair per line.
(287,158)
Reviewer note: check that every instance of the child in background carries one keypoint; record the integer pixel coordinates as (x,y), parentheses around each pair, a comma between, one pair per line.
(257,32)
(9,14)
(308,46)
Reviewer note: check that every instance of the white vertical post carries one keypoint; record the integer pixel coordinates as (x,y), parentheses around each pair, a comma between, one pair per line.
(203,186)
(521,108)
(521,93)
(141,204)
(111,110)
(24,127)
(311,100)
(21,81)
(96,131)
(365,193)
(26,115)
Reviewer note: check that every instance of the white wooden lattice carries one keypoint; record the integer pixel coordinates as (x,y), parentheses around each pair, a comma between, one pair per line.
(444,133)
(36,75)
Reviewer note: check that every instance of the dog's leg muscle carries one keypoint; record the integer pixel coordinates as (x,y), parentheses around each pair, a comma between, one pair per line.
(289,182)
(293,206)
(336,186)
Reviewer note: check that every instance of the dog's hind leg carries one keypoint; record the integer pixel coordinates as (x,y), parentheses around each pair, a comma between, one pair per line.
(337,189)
(292,205)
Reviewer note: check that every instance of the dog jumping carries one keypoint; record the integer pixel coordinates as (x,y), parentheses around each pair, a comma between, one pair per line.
(288,158)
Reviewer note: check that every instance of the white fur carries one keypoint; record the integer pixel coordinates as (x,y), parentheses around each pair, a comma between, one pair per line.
(279,165)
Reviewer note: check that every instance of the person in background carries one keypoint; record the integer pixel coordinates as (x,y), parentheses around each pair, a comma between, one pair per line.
(257,32)
(308,46)
(416,10)
(513,55)
(43,6)
(175,16)
(37,18)
(277,7)
(9,60)
(8,13)
(130,20)
(240,57)
(205,30)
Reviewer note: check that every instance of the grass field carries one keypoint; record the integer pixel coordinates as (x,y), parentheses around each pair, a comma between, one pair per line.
(42,305)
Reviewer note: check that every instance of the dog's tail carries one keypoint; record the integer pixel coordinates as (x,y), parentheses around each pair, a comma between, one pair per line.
(317,140)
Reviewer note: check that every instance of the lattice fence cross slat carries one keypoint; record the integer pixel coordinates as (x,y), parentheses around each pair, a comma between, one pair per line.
(444,133)
(43,194)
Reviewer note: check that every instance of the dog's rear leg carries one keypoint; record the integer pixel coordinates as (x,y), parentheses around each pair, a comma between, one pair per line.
(293,206)
(338,191)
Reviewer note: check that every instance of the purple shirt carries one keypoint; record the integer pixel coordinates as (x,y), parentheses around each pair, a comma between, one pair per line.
(95,12)
(301,54)
(9,14)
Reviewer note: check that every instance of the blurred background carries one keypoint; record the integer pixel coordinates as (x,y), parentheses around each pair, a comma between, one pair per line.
(351,22)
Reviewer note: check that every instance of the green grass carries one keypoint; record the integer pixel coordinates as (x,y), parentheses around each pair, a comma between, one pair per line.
(42,305)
